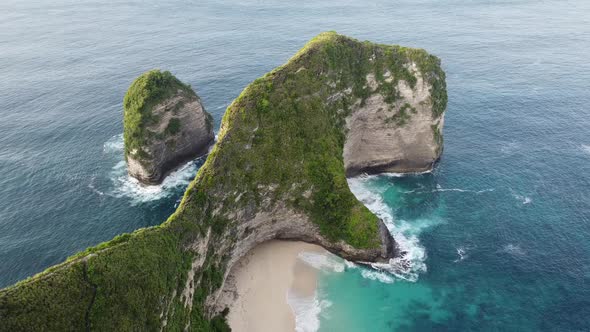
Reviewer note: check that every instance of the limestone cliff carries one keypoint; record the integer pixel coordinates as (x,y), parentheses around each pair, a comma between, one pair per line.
(277,171)
(165,124)
(400,134)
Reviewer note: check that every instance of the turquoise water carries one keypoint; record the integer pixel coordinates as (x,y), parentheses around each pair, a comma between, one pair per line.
(497,235)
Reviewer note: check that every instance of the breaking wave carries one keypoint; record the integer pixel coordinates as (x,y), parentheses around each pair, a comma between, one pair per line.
(521,198)
(323,261)
(462,253)
(327,262)
(513,249)
(114,144)
(411,263)
(439,188)
(307,311)
(125,186)
(93,187)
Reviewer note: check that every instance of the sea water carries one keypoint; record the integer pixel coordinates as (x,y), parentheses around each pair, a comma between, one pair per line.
(496,238)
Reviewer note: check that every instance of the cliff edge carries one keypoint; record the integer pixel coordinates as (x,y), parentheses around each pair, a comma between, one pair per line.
(277,171)
(165,124)
(398,127)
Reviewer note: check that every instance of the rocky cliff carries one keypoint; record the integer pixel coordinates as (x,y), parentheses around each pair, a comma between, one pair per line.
(400,132)
(165,125)
(277,171)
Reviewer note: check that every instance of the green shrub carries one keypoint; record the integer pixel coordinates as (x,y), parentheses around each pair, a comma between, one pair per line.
(173,126)
(145,92)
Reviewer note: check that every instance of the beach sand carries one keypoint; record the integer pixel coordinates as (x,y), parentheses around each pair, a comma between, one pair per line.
(258,285)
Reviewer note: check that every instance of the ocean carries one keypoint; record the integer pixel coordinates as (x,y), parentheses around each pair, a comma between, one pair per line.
(498,235)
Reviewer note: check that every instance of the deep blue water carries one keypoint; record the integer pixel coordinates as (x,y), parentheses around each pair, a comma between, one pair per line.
(511,194)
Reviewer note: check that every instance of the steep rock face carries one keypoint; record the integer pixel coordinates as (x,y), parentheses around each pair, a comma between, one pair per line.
(165,125)
(400,135)
(277,171)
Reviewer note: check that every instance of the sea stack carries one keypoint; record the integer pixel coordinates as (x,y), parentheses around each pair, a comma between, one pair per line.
(165,125)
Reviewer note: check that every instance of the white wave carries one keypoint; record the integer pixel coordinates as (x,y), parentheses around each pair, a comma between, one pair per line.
(328,262)
(523,199)
(114,144)
(462,253)
(306,311)
(350,265)
(383,277)
(323,261)
(513,249)
(585,148)
(126,186)
(398,175)
(93,188)
(439,188)
(411,262)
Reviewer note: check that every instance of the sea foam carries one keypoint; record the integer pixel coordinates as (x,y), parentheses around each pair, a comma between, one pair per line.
(521,198)
(411,263)
(129,187)
(323,261)
(462,252)
(513,249)
(439,188)
(306,311)
(125,186)
(114,144)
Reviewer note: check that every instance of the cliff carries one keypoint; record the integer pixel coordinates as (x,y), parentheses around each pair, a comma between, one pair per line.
(277,171)
(399,130)
(165,124)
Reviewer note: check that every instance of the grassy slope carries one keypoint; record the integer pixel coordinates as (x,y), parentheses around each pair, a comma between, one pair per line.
(279,133)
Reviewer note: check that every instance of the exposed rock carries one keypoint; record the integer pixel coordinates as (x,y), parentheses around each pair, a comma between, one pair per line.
(281,222)
(165,125)
(403,136)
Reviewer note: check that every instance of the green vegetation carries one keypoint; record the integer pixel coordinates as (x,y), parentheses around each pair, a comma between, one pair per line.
(209,121)
(280,145)
(438,138)
(401,117)
(173,126)
(145,92)
(429,66)
(296,136)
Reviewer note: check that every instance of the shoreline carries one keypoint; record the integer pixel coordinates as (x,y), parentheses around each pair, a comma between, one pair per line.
(261,286)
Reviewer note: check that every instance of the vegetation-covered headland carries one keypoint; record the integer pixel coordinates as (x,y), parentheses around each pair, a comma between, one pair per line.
(277,171)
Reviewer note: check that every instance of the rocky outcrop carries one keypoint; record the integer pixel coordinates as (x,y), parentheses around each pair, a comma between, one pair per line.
(173,126)
(401,136)
(277,171)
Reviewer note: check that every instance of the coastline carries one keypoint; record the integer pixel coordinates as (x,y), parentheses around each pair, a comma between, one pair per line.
(262,286)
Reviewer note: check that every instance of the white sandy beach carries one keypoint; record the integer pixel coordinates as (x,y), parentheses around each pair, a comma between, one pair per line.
(260,283)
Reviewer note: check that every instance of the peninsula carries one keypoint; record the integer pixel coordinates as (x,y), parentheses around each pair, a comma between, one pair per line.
(277,171)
